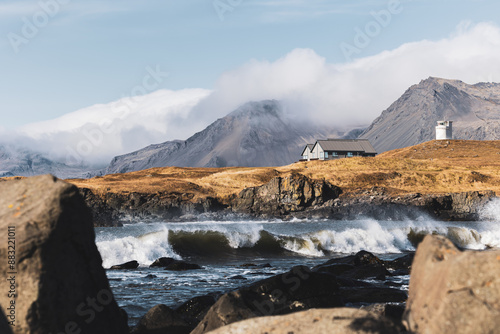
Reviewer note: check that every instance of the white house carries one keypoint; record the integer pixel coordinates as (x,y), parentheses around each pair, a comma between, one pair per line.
(306,153)
(338,148)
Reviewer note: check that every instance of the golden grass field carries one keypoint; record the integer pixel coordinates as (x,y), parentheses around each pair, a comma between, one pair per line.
(431,167)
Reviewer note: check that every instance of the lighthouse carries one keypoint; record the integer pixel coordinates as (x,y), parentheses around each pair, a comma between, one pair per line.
(444,130)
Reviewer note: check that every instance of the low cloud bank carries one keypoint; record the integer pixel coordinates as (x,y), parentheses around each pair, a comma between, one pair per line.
(344,95)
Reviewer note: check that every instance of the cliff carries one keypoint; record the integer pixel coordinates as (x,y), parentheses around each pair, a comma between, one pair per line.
(448,180)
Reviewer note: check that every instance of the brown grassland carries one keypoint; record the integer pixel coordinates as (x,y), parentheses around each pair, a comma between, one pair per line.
(432,167)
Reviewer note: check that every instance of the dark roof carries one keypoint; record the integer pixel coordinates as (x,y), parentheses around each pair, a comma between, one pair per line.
(310,146)
(347,145)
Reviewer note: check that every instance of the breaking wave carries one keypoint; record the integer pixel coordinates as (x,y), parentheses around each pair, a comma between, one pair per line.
(313,239)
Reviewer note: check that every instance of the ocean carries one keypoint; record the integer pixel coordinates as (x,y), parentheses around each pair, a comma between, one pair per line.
(236,253)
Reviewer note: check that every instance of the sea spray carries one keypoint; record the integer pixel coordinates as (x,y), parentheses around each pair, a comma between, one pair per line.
(143,248)
(491,211)
(246,239)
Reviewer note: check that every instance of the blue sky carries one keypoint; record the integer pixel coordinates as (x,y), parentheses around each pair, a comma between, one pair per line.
(91,52)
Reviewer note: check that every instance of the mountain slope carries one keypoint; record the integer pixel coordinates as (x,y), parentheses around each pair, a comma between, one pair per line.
(16,161)
(256,134)
(475,110)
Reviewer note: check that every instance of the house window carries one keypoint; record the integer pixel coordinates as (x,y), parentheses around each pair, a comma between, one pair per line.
(350,154)
(326,155)
(335,154)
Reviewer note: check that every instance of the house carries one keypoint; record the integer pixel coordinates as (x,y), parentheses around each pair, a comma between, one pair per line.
(338,148)
(306,153)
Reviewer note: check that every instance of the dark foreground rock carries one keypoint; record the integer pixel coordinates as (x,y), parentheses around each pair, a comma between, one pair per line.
(364,265)
(60,283)
(453,291)
(181,266)
(331,321)
(296,290)
(127,265)
(162,262)
(5,328)
(161,319)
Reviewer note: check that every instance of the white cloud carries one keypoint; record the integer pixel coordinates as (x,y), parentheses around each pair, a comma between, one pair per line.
(343,95)
(356,92)
(97,133)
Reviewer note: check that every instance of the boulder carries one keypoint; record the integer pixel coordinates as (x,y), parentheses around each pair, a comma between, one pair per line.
(331,321)
(195,309)
(296,290)
(162,262)
(4,325)
(59,281)
(181,266)
(453,291)
(161,319)
(362,265)
(127,265)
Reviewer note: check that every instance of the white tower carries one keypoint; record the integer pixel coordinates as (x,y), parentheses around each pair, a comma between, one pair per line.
(444,130)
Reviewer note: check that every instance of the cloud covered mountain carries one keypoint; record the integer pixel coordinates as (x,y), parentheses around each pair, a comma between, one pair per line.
(474,110)
(16,161)
(346,94)
(255,134)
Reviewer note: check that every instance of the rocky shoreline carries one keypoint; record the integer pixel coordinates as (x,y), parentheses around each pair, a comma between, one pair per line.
(63,287)
(333,284)
(294,196)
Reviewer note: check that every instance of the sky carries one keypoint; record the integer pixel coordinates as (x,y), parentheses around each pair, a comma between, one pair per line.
(131,73)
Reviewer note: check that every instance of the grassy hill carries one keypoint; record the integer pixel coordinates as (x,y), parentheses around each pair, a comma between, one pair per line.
(429,168)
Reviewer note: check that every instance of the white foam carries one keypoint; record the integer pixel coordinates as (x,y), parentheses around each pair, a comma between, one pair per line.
(144,249)
(491,211)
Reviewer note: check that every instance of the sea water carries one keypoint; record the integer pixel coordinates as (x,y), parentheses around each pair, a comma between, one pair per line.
(224,250)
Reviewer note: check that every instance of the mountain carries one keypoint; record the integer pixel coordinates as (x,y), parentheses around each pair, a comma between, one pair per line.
(17,161)
(255,134)
(474,110)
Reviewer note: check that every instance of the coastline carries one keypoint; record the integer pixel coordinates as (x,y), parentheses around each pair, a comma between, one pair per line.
(446,180)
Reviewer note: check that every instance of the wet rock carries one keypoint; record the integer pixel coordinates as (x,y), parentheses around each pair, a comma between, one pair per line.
(196,308)
(162,262)
(453,291)
(238,277)
(401,265)
(362,265)
(181,266)
(127,265)
(372,294)
(59,269)
(331,321)
(244,265)
(5,328)
(161,319)
(110,209)
(296,290)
